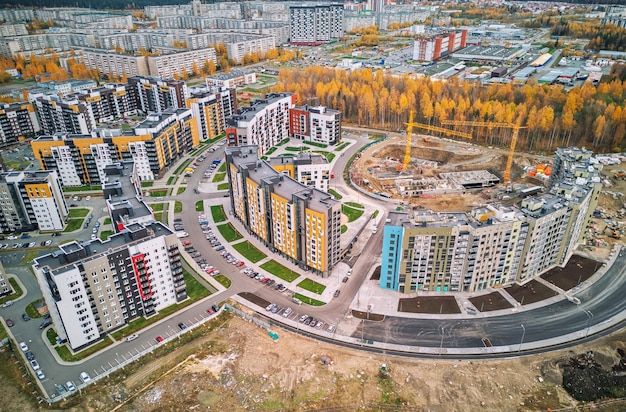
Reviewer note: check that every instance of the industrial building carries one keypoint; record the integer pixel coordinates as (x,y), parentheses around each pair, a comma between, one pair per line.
(31,201)
(495,245)
(95,287)
(298,221)
(490,54)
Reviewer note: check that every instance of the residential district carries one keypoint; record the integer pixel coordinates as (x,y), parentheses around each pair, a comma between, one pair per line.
(174,171)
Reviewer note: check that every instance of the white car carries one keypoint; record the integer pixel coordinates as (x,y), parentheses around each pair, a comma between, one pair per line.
(88,198)
(70,386)
(85,377)
(7,303)
(132,337)
(23,347)
(40,374)
(35,365)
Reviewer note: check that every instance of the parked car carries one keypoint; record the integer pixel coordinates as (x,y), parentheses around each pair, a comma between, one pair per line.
(345,279)
(182,326)
(29,356)
(7,303)
(337,292)
(84,376)
(239,264)
(9,322)
(159,339)
(287,312)
(70,386)
(132,337)
(35,365)
(25,317)
(215,308)
(270,307)
(40,375)
(24,347)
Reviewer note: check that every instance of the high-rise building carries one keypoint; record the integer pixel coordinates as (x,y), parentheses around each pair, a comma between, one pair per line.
(210,107)
(309,169)
(93,288)
(495,245)
(30,201)
(57,115)
(429,49)
(18,122)
(315,124)
(316,24)
(156,95)
(298,221)
(110,102)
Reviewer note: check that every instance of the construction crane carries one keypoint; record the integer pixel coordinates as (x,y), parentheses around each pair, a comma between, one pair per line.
(491,125)
(409,132)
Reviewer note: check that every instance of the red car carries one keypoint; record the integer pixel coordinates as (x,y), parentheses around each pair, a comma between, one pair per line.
(186,243)
(9,322)
(240,264)
(209,271)
(159,339)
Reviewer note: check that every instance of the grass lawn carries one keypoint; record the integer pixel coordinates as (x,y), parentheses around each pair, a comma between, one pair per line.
(223,280)
(217,211)
(200,206)
(335,194)
(354,205)
(104,235)
(157,207)
(195,292)
(73,224)
(67,356)
(146,184)
(279,270)
(178,207)
(29,256)
(51,334)
(223,186)
(329,156)
(219,177)
(344,229)
(81,188)
(341,146)
(270,151)
(316,144)
(31,311)
(282,142)
(353,214)
(158,216)
(222,168)
(308,300)
(249,251)
(107,221)
(17,291)
(171,180)
(181,189)
(312,286)
(74,213)
(295,149)
(229,232)
(182,166)
(158,193)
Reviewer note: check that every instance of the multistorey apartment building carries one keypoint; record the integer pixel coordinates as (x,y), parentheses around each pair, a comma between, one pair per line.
(153,145)
(5,286)
(232,79)
(300,222)
(30,201)
(315,24)
(268,121)
(315,124)
(309,169)
(18,121)
(153,94)
(210,107)
(429,49)
(112,101)
(495,245)
(93,288)
(58,115)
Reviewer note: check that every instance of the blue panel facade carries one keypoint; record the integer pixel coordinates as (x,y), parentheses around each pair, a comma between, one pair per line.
(391,257)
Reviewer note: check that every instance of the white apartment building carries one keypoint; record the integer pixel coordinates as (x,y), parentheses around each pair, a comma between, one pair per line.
(168,65)
(232,79)
(309,169)
(315,23)
(315,124)
(210,107)
(114,64)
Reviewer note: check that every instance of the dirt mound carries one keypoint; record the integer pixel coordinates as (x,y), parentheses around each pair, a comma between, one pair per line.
(442,156)
(585,379)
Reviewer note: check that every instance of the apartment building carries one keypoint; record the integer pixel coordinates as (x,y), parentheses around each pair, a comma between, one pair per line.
(210,107)
(300,222)
(57,115)
(176,63)
(5,286)
(315,24)
(7,30)
(429,49)
(315,124)
(67,87)
(110,102)
(494,245)
(309,169)
(264,123)
(11,46)
(156,95)
(17,15)
(93,288)
(114,64)
(232,79)
(18,122)
(153,145)
(31,201)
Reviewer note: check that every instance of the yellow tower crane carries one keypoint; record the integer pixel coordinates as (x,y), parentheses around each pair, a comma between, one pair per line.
(516,128)
(409,132)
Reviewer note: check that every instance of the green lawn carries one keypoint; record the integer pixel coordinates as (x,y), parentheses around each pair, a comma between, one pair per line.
(249,251)
(271,151)
(107,221)
(344,229)
(316,144)
(182,166)
(296,149)
(279,270)
(146,184)
(31,311)
(229,232)
(223,186)
(329,156)
(17,291)
(181,189)
(353,214)
(354,205)
(157,207)
(51,334)
(158,216)
(312,286)
(73,224)
(222,168)
(282,142)
(341,147)
(195,292)
(219,177)
(104,235)
(171,180)
(30,256)
(158,192)
(81,212)
(67,189)
(200,206)
(335,194)
(217,211)
(178,207)
(223,280)
(67,356)
(308,300)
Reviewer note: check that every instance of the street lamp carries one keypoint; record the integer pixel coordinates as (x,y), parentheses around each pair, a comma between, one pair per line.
(589,317)
(523,334)
(441,344)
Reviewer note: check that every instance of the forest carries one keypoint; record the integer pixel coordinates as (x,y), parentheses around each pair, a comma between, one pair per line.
(589,116)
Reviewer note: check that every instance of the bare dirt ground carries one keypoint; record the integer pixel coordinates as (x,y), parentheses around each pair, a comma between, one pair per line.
(237,367)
